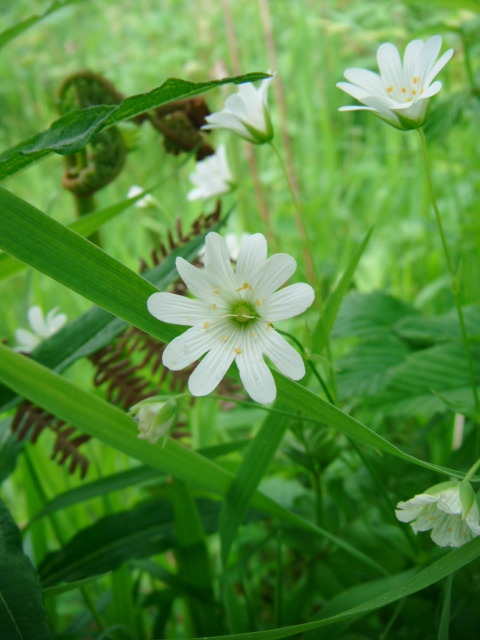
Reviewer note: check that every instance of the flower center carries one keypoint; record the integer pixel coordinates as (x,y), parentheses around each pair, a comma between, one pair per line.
(243,312)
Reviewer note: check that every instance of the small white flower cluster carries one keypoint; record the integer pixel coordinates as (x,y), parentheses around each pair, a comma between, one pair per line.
(449,510)
(42,327)
(400,93)
(246,114)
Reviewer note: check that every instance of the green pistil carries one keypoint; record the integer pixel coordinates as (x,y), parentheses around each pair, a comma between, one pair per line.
(244,312)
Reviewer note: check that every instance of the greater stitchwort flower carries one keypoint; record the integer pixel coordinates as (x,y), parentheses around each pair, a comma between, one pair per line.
(448,509)
(400,93)
(155,417)
(245,113)
(42,328)
(232,319)
(211,177)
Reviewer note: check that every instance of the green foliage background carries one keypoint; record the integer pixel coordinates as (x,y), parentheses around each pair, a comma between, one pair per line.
(264,521)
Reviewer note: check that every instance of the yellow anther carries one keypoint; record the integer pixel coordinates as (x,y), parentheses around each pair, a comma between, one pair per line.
(238,351)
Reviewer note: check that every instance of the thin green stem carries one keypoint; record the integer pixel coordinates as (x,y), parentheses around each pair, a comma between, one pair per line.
(454,281)
(300,222)
(471,471)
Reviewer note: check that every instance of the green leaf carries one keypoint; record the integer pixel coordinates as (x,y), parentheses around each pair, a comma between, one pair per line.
(449,563)
(65,587)
(369,315)
(193,561)
(121,480)
(254,465)
(20,27)
(22,615)
(141,532)
(96,328)
(73,131)
(45,244)
(84,226)
(94,416)
(334,300)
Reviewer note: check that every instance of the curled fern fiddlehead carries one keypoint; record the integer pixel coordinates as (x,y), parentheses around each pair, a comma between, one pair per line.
(102,160)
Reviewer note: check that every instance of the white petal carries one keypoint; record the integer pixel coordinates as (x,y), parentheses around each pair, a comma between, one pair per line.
(55,321)
(175,309)
(390,65)
(287,360)
(275,272)
(366,80)
(288,302)
(256,377)
(37,321)
(222,120)
(188,347)
(26,340)
(217,262)
(430,52)
(438,66)
(449,501)
(251,256)
(212,368)
(196,279)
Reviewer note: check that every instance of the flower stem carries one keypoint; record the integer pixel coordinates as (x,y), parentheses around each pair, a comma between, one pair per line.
(471,471)
(454,280)
(300,222)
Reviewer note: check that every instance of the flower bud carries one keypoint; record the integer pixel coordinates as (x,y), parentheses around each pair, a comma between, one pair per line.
(155,417)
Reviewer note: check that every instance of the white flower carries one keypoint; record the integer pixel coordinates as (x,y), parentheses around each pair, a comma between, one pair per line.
(400,93)
(142,203)
(211,177)
(245,113)
(155,417)
(42,328)
(448,509)
(232,319)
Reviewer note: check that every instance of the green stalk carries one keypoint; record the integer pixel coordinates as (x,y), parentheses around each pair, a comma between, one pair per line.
(454,282)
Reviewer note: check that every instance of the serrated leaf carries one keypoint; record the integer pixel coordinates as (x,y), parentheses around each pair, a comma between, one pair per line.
(22,614)
(369,315)
(73,131)
(367,368)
